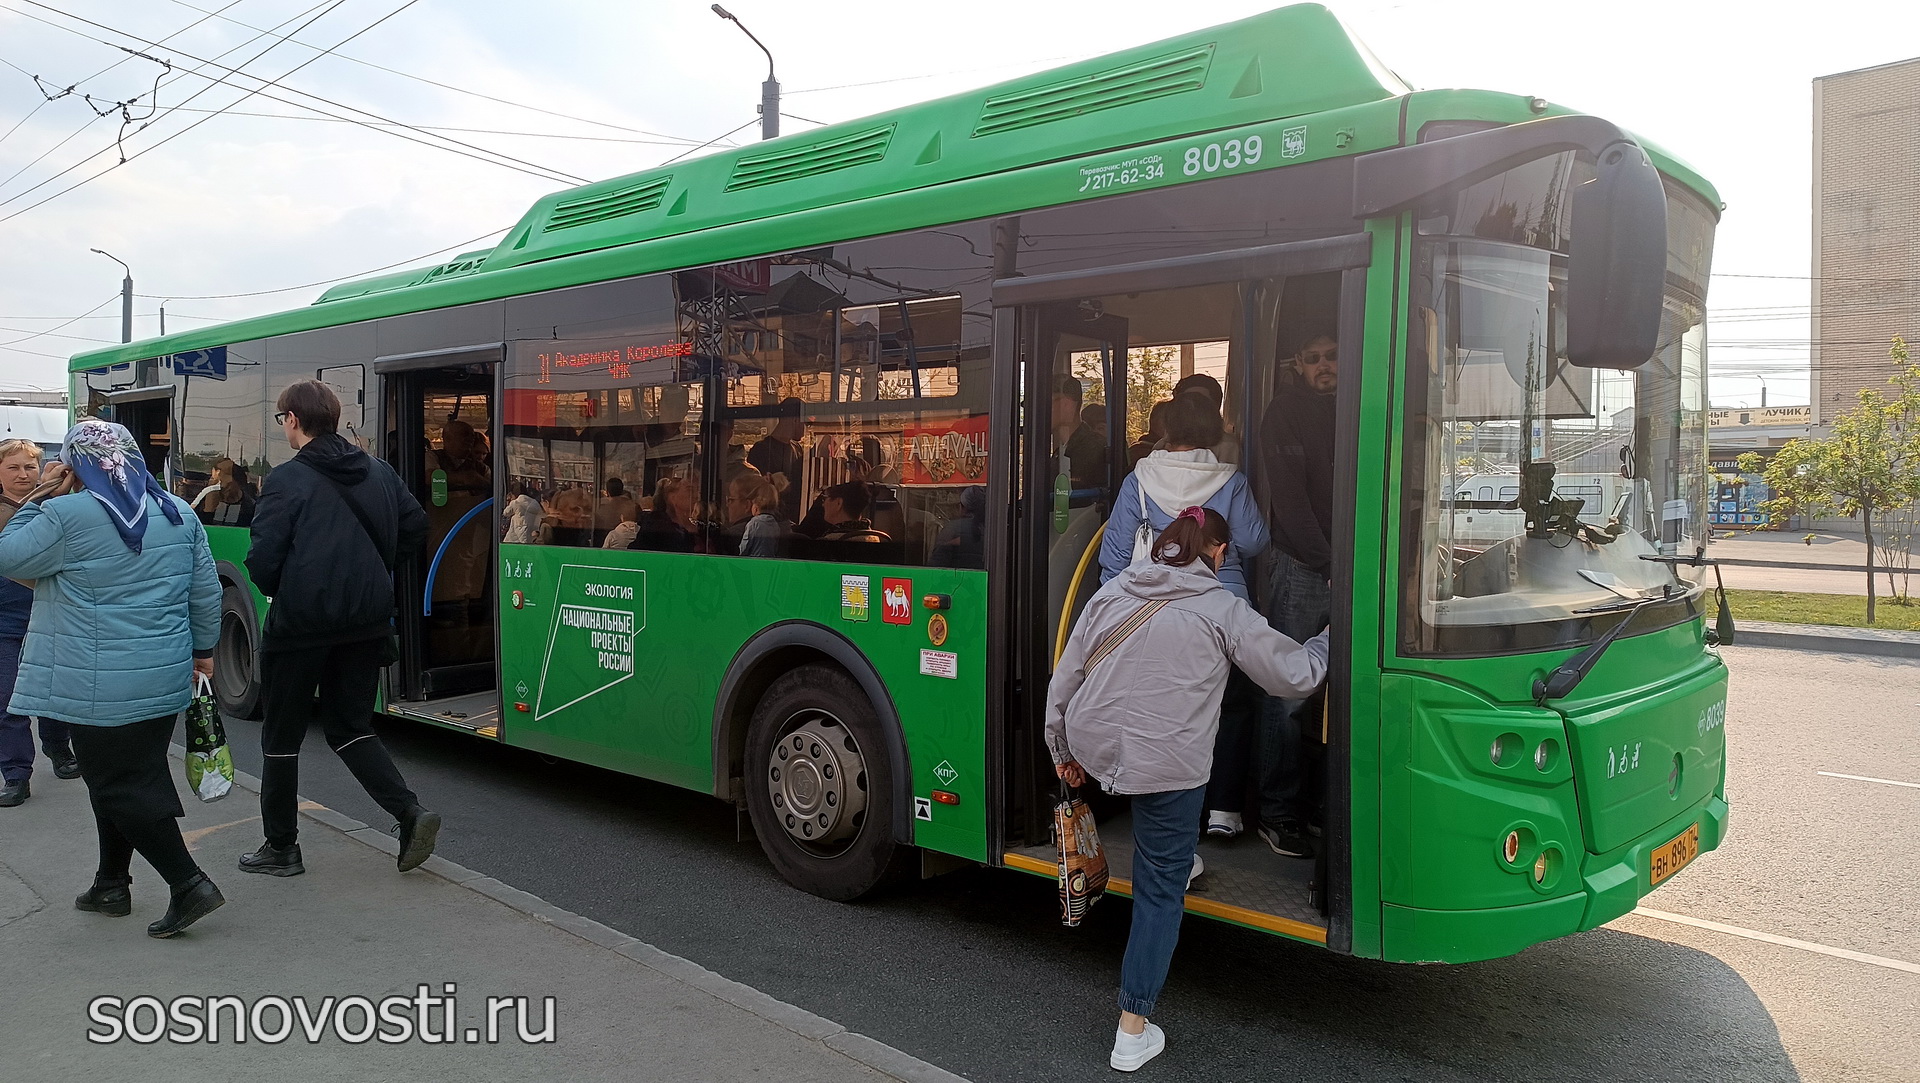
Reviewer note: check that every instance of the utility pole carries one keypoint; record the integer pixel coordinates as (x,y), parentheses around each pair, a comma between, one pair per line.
(126,296)
(163,318)
(769,90)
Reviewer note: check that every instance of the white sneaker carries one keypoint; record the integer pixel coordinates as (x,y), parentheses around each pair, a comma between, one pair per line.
(1199,867)
(1225,825)
(1130,1051)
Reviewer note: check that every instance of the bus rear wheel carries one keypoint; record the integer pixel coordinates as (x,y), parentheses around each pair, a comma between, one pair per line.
(820,786)
(236,676)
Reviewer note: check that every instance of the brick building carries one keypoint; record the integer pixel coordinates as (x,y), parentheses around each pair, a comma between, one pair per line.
(1866,228)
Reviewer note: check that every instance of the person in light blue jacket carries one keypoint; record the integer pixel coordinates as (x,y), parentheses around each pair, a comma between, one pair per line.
(126,613)
(1186,473)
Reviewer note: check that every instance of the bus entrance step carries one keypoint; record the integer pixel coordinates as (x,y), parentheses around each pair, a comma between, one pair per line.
(473,712)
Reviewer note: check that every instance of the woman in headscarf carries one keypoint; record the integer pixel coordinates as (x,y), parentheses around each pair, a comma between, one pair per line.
(126,614)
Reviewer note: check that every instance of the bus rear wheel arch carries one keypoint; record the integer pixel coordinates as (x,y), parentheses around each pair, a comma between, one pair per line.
(236,670)
(819,784)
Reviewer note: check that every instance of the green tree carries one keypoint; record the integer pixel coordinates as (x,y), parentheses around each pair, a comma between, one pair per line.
(1867,466)
(1150,379)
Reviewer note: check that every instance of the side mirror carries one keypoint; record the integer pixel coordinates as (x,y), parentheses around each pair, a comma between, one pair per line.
(1617,270)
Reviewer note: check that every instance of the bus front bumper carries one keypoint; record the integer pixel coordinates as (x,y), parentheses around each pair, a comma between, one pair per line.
(1616,881)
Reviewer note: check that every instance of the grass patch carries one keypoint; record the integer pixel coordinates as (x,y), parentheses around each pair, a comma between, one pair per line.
(1846,610)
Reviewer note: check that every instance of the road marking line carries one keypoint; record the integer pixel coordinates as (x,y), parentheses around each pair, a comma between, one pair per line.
(1864,778)
(1782,941)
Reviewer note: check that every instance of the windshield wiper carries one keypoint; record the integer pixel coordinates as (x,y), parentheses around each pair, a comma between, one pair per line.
(1625,603)
(1568,675)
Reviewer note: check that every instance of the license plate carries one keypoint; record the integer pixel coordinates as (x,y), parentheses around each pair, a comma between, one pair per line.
(1675,855)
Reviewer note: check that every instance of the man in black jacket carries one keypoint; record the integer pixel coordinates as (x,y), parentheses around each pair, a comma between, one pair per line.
(1297,442)
(327,531)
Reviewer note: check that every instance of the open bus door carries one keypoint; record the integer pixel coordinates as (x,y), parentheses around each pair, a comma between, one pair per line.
(147,413)
(442,438)
(1137,330)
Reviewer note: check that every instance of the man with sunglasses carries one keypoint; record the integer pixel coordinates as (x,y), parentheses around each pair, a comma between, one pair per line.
(1296,446)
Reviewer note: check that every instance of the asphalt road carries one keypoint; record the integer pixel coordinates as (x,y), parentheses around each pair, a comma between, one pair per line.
(973,972)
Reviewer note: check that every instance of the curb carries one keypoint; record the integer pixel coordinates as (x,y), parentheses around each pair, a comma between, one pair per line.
(856,1047)
(1832,640)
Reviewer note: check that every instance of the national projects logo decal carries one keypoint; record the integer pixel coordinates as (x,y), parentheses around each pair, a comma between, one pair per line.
(590,644)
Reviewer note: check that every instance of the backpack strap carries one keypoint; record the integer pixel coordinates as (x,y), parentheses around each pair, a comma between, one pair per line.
(360,513)
(1119,635)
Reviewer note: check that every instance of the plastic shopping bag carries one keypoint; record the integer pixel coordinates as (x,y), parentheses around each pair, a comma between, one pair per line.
(209,762)
(1083,863)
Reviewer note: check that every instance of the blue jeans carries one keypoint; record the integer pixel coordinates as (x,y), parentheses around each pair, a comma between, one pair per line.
(1163,843)
(1298,606)
(16,730)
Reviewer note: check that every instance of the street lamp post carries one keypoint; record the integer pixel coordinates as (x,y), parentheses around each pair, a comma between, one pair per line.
(769,90)
(126,296)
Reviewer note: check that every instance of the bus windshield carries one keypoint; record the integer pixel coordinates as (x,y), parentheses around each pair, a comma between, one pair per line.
(1543,483)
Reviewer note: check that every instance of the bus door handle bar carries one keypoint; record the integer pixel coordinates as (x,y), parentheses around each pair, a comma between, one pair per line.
(433,569)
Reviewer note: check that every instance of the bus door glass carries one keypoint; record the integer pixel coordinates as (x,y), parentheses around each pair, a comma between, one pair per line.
(443,449)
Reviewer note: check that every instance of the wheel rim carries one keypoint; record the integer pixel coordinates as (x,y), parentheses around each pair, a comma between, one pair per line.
(817,780)
(234,673)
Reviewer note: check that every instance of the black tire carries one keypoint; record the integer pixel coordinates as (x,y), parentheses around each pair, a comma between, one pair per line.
(820,785)
(236,668)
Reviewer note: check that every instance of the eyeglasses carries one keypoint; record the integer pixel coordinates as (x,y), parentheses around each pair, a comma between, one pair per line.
(281,417)
(1319,357)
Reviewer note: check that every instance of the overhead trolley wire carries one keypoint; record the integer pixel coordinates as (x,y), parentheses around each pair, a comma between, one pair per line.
(545,173)
(710,142)
(71,319)
(461,90)
(322,282)
(329,5)
(450,128)
(87,79)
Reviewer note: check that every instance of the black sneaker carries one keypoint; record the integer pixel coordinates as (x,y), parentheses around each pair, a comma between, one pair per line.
(64,764)
(114,899)
(417,834)
(1286,840)
(273,862)
(191,901)
(15,793)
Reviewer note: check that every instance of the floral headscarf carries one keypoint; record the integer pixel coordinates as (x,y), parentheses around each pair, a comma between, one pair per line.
(109,464)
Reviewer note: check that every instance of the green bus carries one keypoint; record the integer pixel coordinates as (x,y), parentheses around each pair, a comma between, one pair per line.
(1517,290)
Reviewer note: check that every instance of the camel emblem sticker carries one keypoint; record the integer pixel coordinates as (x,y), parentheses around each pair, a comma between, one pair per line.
(896,596)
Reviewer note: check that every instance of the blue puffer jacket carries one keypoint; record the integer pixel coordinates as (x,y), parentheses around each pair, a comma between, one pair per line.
(113,632)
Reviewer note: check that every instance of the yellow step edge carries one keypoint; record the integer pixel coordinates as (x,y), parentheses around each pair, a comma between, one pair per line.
(1299,930)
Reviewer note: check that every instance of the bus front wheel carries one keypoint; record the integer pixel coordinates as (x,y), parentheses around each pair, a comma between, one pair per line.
(820,786)
(236,676)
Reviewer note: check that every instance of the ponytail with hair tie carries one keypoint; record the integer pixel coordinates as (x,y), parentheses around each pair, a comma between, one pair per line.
(1189,536)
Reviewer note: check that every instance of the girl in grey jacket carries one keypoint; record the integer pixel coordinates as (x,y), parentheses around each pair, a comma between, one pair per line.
(1135,702)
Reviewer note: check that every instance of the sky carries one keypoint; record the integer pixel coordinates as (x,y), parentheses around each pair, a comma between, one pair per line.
(236,214)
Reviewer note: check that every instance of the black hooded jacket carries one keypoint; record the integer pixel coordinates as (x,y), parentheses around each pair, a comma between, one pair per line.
(313,558)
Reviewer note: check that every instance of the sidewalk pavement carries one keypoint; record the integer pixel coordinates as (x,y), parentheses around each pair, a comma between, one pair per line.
(353,926)
(1880,642)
